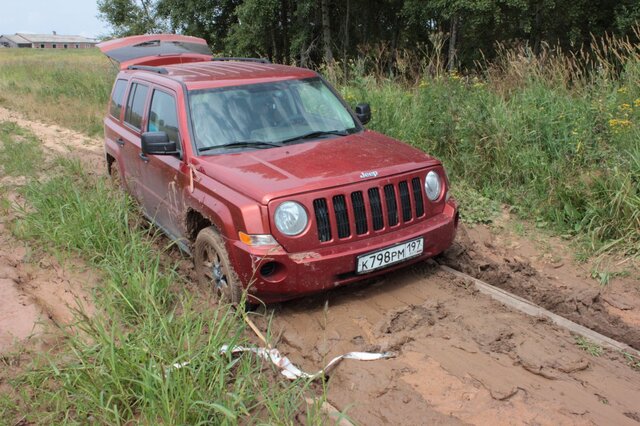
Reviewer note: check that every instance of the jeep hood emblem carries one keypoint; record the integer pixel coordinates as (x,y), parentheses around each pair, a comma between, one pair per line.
(371,174)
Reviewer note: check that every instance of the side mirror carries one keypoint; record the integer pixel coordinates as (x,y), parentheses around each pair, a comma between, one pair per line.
(157,143)
(363,111)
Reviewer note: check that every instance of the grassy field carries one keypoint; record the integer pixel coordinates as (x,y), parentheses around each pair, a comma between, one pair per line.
(115,367)
(560,147)
(67,87)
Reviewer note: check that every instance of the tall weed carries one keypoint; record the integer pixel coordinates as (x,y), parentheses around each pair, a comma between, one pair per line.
(20,152)
(559,145)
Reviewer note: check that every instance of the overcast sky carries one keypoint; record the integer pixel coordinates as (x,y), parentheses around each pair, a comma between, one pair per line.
(69,17)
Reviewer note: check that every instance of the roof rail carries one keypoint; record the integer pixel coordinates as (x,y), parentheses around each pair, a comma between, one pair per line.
(259,60)
(159,70)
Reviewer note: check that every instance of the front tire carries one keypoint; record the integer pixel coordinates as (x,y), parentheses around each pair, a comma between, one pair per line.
(214,269)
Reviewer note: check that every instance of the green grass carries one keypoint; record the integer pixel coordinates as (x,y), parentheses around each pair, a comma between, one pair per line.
(20,152)
(589,347)
(632,360)
(114,367)
(70,88)
(566,157)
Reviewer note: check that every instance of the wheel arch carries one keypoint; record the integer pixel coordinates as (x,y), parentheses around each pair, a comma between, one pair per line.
(110,160)
(196,219)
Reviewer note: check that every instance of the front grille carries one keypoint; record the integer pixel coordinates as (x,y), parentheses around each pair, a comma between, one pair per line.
(369,210)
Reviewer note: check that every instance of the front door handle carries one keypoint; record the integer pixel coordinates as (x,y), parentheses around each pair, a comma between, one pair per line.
(120,141)
(143,157)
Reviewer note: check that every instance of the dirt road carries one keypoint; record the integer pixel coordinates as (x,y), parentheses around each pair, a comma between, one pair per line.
(461,357)
(37,291)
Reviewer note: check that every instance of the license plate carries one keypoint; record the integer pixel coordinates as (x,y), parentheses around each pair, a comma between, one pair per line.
(389,256)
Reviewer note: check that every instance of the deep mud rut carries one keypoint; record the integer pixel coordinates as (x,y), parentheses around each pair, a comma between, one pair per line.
(560,286)
(461,357)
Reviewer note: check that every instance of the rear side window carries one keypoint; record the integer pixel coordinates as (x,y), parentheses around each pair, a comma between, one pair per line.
(117,98)
(135,105)
(163,116)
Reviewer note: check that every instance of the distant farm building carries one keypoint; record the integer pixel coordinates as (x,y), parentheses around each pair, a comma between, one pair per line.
(46,41)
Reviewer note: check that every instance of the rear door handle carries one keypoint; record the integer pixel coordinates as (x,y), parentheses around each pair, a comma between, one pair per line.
(143,157)
(120,141)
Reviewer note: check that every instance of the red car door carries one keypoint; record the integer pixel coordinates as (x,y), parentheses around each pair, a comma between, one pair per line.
(129,137)
(163,178)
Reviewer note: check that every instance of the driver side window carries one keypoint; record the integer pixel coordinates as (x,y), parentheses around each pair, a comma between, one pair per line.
(163,116)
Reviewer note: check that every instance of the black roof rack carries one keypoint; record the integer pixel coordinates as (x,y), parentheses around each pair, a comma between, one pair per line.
(159,70)
(259,60)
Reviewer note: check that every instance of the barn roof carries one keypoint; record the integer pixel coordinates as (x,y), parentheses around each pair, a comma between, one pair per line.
(53,38)
(15,38)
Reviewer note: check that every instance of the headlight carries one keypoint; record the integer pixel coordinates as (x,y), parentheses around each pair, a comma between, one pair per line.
(291,218)
(433,185)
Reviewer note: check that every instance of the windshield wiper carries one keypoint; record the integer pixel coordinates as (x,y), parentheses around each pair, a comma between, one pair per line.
(241,144)
(316,134)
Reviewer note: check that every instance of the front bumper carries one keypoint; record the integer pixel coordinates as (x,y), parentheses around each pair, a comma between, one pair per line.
(292,275)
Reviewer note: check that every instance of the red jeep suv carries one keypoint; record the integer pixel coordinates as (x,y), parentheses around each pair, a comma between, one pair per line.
(264,174)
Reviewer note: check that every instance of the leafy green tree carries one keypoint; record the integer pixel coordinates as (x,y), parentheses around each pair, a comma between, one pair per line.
(209,19)
(310,32)
(131,17)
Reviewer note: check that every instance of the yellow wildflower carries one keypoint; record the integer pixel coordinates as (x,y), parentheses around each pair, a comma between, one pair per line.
(619,123)
(625,107)
(622,90)
(636,103)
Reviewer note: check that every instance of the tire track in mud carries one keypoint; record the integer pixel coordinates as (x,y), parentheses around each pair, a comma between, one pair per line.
(461,357)
(37,292)
(585,306)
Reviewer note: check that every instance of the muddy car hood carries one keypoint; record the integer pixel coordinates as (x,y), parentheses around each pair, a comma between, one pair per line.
(268,174)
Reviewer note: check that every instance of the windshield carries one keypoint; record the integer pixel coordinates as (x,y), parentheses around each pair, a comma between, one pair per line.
(267,115)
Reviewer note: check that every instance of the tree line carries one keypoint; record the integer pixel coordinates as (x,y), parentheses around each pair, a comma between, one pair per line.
(313,32)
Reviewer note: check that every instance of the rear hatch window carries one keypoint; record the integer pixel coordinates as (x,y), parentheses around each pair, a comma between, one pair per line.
(158,49)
